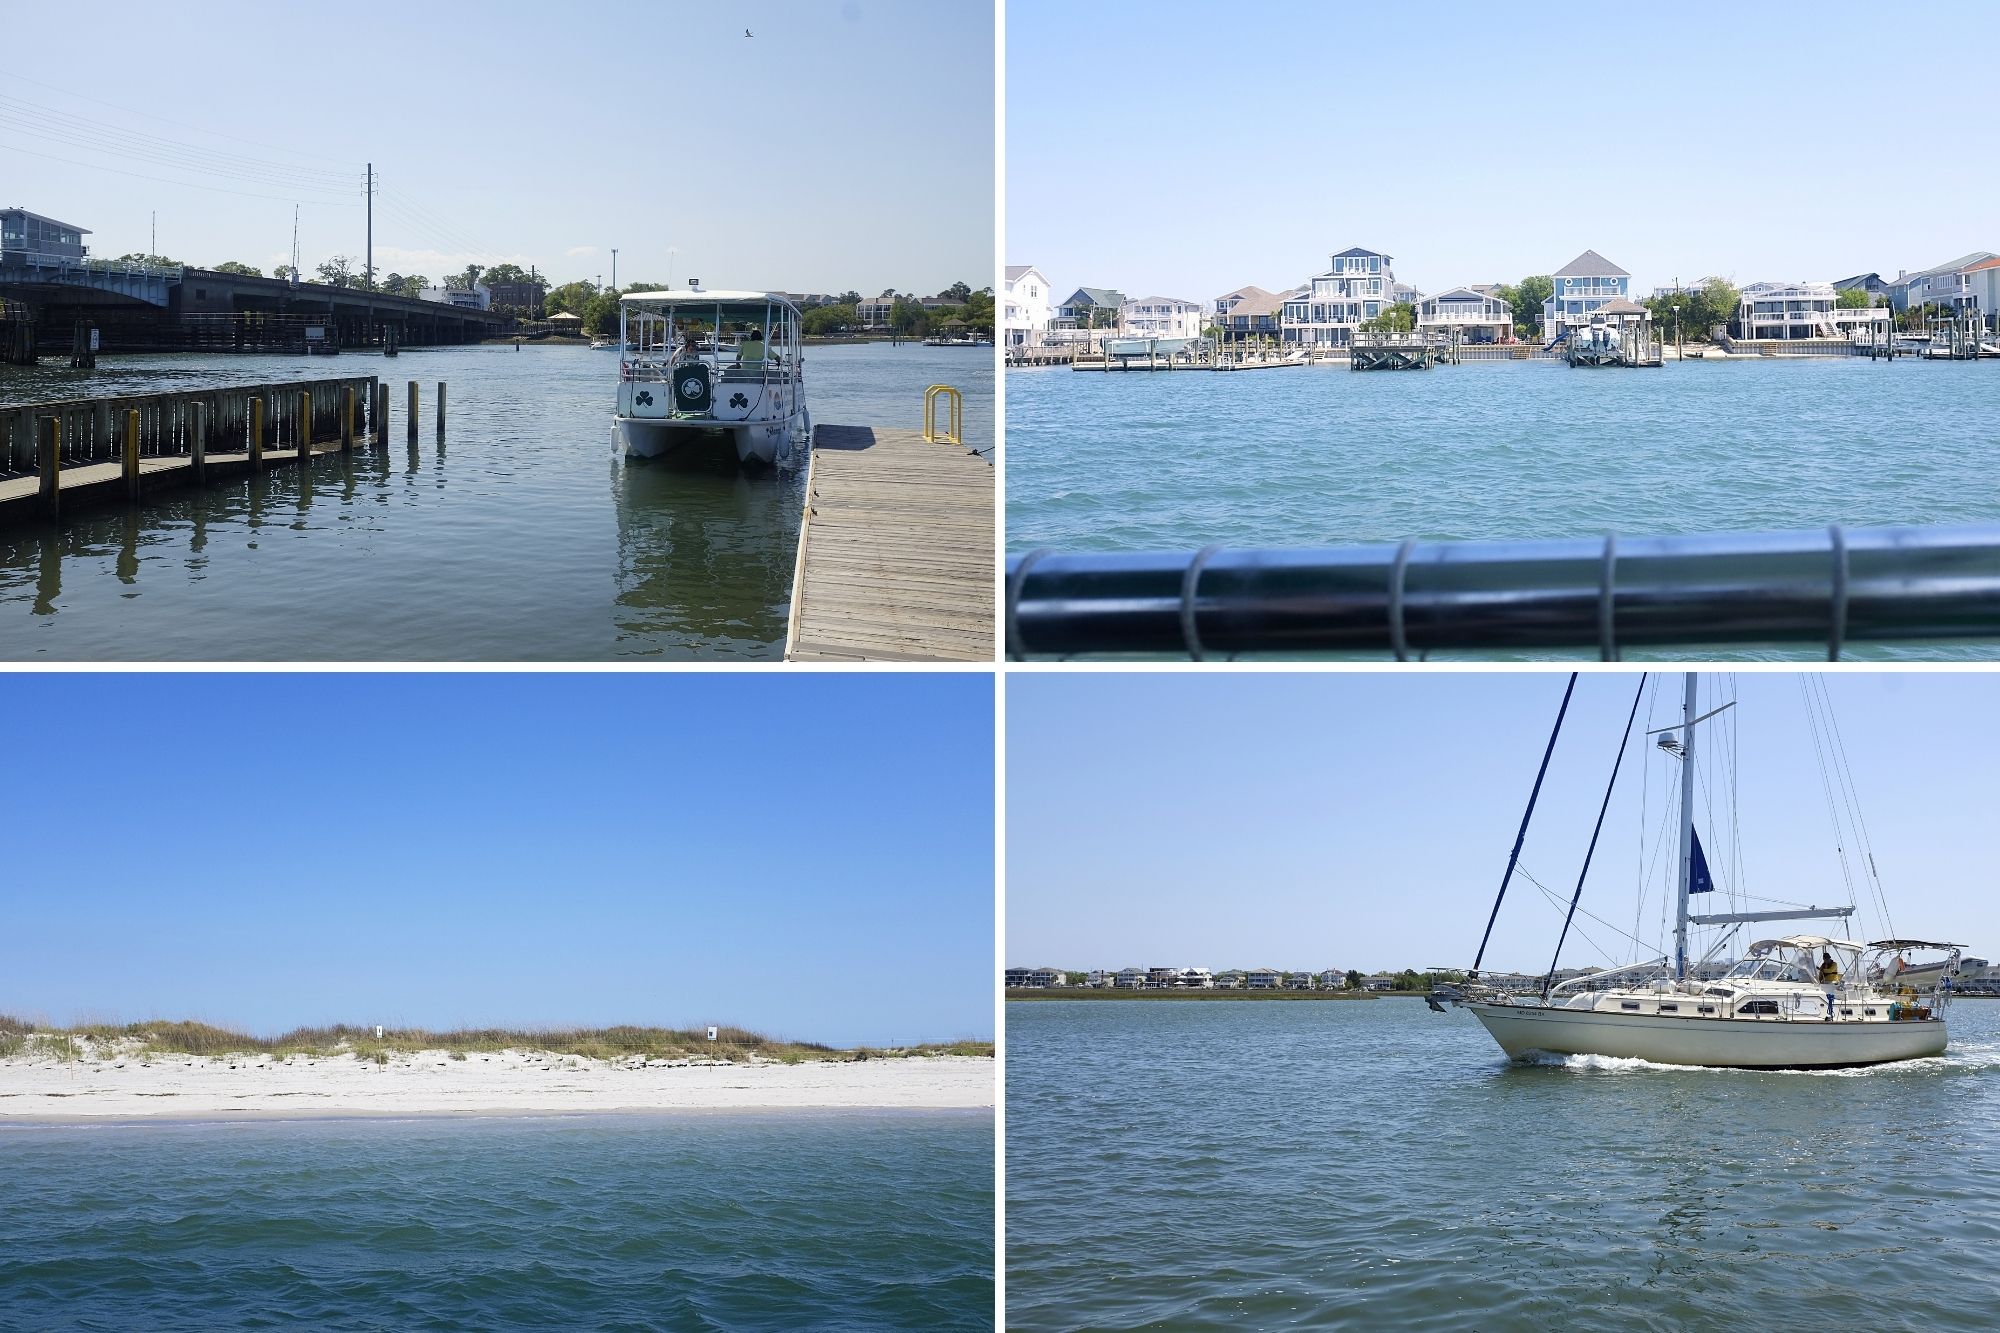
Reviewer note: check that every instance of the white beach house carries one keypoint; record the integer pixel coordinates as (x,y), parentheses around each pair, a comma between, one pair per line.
(1787,311)
(1230,979)
(1333,978)
(1582,289)
(1029,306)
(1162,317)
(1357,285)
(1197,978)
(1263,978)
(1475,313)
(1130,978)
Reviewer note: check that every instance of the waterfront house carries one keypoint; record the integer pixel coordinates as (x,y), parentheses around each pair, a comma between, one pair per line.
(1162,317)
(1089,308)
(1197,978)
(1786,311)
(1130,978)
(1034,978)
(1358,285)
(1379,981)
(1263,978)
(1162,978)
(1333,978)
(1231,979)
(23,234)
(1298,981)
(1867,282)
(1252,317)
(1047,976)
(1028,306)
(1983,289)
(1478,315)
(1017,977)
(1229,300)
(1944,285)
(873,311)
(1582,289)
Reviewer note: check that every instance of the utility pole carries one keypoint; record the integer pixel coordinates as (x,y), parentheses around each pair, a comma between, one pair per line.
(369,262)
(153,246)
(614,268)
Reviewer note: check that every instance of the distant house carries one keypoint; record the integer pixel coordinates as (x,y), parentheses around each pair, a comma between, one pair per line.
(1017,977)
(1379,981)
(1100,979)
(1131,978)
(1162,317)
(1232,979)
(1947,284)
(1358,285)
(1263,978)
(1982,286)
(873,311)
(1228,300)
(1253,317)
(1477,316)
(1162,978)
(523,297)
(1791,310)
(1298,981)
(1033,978)
(1867,282)
(1028,306)
(1582,289)
(1333,979)
(1197,978)
(1090,308)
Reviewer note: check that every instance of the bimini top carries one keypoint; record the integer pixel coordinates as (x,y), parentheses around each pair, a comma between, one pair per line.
(698,297)
(1900,945)
(1762,947)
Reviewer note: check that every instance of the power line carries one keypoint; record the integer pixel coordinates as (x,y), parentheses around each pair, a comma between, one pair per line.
(165,180)
(46,119)
(299,152)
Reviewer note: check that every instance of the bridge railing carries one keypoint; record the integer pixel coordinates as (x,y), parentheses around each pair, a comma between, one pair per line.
(1826,587)
(89,428)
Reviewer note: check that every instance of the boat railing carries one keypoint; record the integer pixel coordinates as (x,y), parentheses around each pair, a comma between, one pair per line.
(1829,587)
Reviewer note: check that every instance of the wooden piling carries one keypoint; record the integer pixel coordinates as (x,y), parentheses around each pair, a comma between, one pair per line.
(440,409)
(303,436)
(413,411)
(347,420)
(51,467)
(382,416)
(131,453)
(256,434)
(198,440)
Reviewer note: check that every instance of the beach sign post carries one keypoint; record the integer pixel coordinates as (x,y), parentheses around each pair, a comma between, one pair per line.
(711,1033)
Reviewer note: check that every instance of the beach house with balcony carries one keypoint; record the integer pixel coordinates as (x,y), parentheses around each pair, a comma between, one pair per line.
(1299,981)
(1357,285)
(1034,978)
(1162,317)
(1130,978)
(1251,314)
(1946,285)
(1089,308)
(1197,978)
(1788,311)
(1263,978)
(1028,306)
(1162,978)
(1582,289)
(1229,979)
(1475,313)
(1333,978)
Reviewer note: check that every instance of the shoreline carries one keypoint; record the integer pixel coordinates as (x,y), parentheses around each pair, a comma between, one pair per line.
(503,1083)
(1177,993)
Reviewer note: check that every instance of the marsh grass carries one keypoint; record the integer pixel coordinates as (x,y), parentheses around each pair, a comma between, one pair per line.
(625,1043)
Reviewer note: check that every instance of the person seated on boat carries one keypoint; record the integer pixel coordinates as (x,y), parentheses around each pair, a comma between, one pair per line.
(1829,971)
(750,349)
(690,344)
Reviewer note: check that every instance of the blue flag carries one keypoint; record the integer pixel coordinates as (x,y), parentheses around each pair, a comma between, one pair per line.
(1698,879)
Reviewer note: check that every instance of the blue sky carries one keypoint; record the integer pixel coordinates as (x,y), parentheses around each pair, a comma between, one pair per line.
(1363,820)
(807,855)
(847,144)
(1175,149)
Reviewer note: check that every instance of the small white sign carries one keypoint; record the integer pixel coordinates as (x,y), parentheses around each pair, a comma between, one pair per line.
(93,340)
(711,1034)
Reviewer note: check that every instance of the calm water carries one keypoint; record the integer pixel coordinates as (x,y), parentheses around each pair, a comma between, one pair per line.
(683,1222)
(1324,456)
(1297,1164)
(526,537)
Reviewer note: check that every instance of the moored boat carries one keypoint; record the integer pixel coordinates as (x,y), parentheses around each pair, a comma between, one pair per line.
(711,366)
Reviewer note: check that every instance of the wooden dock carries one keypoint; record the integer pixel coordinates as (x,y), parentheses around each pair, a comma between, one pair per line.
(897,558)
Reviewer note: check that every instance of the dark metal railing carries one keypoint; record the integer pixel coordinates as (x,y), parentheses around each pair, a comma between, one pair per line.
(1828,586)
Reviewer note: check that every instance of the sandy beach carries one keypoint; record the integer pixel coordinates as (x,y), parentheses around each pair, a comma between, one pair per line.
(486,1083)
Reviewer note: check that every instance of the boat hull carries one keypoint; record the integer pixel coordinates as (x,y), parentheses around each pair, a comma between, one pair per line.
(756,443)
(1732,1043)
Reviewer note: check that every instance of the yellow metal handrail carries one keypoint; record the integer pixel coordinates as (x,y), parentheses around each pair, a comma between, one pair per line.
(955,415)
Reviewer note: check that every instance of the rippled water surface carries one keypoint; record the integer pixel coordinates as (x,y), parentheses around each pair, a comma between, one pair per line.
(1180,1165)
(524,537)
(1323,456)
(684,1222)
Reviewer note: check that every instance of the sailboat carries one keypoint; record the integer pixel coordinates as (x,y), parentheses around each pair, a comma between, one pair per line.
(1801,1001)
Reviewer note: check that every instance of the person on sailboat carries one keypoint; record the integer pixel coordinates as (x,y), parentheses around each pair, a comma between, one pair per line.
(1829,971)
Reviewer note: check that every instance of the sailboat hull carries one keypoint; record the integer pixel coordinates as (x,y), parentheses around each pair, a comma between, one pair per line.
(1729,1043)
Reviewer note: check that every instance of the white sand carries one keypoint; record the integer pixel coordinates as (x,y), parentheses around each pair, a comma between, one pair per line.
(499,1083)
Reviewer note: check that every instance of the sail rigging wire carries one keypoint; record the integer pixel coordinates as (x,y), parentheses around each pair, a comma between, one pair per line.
(1839,746)
(1555,902)
(1826,789)
(1514,857)
(1598,828)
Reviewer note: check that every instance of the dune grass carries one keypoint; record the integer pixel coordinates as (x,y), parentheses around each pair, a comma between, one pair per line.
(614,1044)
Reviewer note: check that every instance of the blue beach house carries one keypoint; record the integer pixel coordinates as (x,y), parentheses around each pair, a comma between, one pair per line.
(1583,287)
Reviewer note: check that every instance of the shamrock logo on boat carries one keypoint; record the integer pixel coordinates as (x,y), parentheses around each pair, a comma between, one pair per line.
(645,397)
(738,400)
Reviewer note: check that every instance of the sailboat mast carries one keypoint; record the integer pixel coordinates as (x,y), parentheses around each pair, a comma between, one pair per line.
(1687,829)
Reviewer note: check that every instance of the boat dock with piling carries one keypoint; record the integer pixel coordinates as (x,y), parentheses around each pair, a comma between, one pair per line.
(896,555)
(63,455)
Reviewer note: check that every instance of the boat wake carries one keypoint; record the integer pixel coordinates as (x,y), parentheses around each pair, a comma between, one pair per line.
(1972,1059)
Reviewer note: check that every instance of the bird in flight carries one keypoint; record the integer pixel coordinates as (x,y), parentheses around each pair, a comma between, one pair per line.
(748,33)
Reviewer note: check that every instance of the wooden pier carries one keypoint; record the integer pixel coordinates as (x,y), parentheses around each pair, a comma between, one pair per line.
(1624,345)
(60,456)
(897,558)
(1394,351)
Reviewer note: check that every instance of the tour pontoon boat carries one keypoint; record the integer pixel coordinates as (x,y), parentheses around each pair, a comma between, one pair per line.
(1794,1001)
(701,365)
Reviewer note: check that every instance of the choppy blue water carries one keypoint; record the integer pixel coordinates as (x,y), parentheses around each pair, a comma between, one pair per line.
(639,1222)
(1324,456)
(1372,1164)
(525,538)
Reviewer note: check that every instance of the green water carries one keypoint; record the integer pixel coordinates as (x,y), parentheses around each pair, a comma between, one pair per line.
(859,1221)
(1376,1165)
(525,537)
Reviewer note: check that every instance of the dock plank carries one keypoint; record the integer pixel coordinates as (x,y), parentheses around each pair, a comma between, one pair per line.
(896,555)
